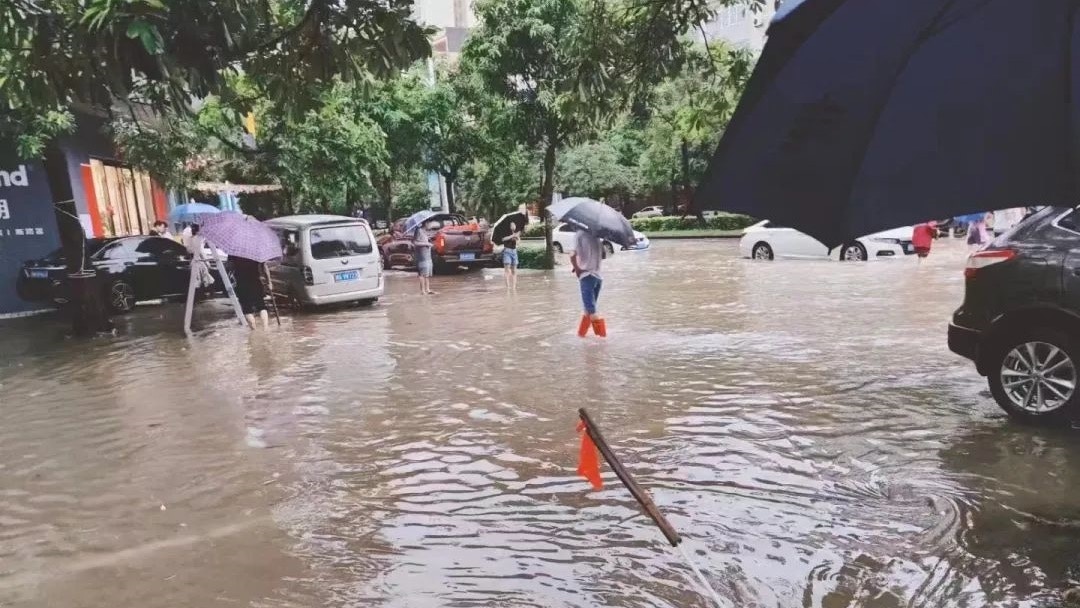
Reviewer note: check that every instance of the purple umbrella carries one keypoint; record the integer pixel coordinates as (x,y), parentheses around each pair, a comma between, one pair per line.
(240,236)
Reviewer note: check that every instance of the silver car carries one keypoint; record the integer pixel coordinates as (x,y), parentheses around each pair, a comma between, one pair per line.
(327,259)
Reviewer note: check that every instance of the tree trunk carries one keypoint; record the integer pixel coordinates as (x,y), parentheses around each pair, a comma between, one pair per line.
(547,188)
(688,190)
(387,191)
(86,293)
(674,184)
(450,177)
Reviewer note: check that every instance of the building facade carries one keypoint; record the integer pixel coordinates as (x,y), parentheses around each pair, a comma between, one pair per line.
(109,198)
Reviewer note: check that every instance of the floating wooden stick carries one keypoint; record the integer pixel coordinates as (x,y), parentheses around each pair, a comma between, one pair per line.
(646,502)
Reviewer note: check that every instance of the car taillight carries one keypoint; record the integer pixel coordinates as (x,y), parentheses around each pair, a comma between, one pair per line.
(440,243)
(309,278)
(981,259)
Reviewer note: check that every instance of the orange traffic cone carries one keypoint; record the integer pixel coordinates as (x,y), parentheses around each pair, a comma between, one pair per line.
(583,327)
(599,327)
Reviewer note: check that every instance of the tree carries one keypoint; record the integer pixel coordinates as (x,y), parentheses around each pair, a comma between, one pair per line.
(60,53)
(557,62)
(688,113)
(452,132)
(596,170)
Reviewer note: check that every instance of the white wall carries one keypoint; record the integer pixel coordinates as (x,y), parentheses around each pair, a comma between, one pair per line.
(740,26)
(445,13)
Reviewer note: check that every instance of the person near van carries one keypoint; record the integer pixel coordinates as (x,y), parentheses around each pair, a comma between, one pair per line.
(510,256)
(588,253)
(250,290)
(424,265)
(161,229)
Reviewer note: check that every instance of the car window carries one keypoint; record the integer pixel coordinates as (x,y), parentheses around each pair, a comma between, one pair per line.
(159,247)
(120,250)
(1070,221)
(290,244)
(773,225)
(339,241)
(566,228)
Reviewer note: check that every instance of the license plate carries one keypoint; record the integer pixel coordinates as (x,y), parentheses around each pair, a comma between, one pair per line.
(39,274)
(467,257)
(349,275)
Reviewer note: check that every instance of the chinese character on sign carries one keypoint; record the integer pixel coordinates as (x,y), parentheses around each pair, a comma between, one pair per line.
(5,212)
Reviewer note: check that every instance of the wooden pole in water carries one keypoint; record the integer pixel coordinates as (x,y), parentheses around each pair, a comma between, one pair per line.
(646,502)
(628,480)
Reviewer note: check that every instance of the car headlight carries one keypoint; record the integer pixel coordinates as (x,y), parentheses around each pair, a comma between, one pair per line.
(889,241)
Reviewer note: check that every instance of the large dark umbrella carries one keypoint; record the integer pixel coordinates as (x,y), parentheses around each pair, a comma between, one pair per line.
(870,114)
(595,218)
(501,228)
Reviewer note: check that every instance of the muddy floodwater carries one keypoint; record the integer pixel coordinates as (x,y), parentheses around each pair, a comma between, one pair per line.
(802,424)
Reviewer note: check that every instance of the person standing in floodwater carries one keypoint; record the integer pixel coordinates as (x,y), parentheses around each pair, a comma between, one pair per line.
(422,254)
(922,238)
(250,290)
(588,253)
(510,256)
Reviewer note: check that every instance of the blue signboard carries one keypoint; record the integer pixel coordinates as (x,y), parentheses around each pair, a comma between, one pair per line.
(27,226)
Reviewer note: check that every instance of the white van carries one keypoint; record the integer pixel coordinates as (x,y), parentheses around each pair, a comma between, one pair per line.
(327,259)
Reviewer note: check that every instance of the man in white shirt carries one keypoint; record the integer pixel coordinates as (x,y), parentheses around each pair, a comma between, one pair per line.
(588,253)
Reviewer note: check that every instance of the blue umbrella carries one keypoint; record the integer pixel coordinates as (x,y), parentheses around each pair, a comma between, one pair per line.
(868,114)
(191,211)
(417,219)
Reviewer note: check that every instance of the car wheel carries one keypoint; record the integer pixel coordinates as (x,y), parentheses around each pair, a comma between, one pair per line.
(762,251)
(121,296)
(368,302)
(853,252)
(557,247)
(1033,375)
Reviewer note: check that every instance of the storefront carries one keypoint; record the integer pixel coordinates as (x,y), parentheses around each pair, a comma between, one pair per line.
(110,199)
(27,225)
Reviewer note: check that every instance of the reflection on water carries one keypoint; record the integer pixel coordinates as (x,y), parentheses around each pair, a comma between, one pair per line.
(802,424)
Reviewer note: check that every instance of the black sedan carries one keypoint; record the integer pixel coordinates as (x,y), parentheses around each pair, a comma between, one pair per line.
(133,269)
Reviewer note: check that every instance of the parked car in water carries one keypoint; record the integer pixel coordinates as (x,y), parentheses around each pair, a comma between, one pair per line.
(454,242)
(563,241)
(327,259)
(1020,319)
(768,240)
(132,269)
(654,211)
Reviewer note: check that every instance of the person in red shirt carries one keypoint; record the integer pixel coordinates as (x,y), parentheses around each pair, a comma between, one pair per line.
(922,238)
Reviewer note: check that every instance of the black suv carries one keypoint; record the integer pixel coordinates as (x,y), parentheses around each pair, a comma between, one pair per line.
(1020,320)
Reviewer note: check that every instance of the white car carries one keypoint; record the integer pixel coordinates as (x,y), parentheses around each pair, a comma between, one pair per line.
(562,240)
(766,241)
(654,211)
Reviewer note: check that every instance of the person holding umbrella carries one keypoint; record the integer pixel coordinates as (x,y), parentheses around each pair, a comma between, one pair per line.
(507,232)
(510,256)
(595,222)
(414,225)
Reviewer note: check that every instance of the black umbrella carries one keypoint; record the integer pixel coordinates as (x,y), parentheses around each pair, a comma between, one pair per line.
(869,114)
(501,228)
(595,218)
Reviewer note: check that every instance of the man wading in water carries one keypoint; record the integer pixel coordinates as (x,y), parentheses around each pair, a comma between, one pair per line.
(588,253)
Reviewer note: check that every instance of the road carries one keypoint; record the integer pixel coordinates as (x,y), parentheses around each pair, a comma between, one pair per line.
(801,423)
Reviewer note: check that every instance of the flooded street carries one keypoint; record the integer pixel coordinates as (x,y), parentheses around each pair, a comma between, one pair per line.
(802,424)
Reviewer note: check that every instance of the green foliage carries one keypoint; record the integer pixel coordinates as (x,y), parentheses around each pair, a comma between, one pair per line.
(166,52)
(596,170)
(32,130)
(327,157)
(531,258)
(533,231)
(723,221)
